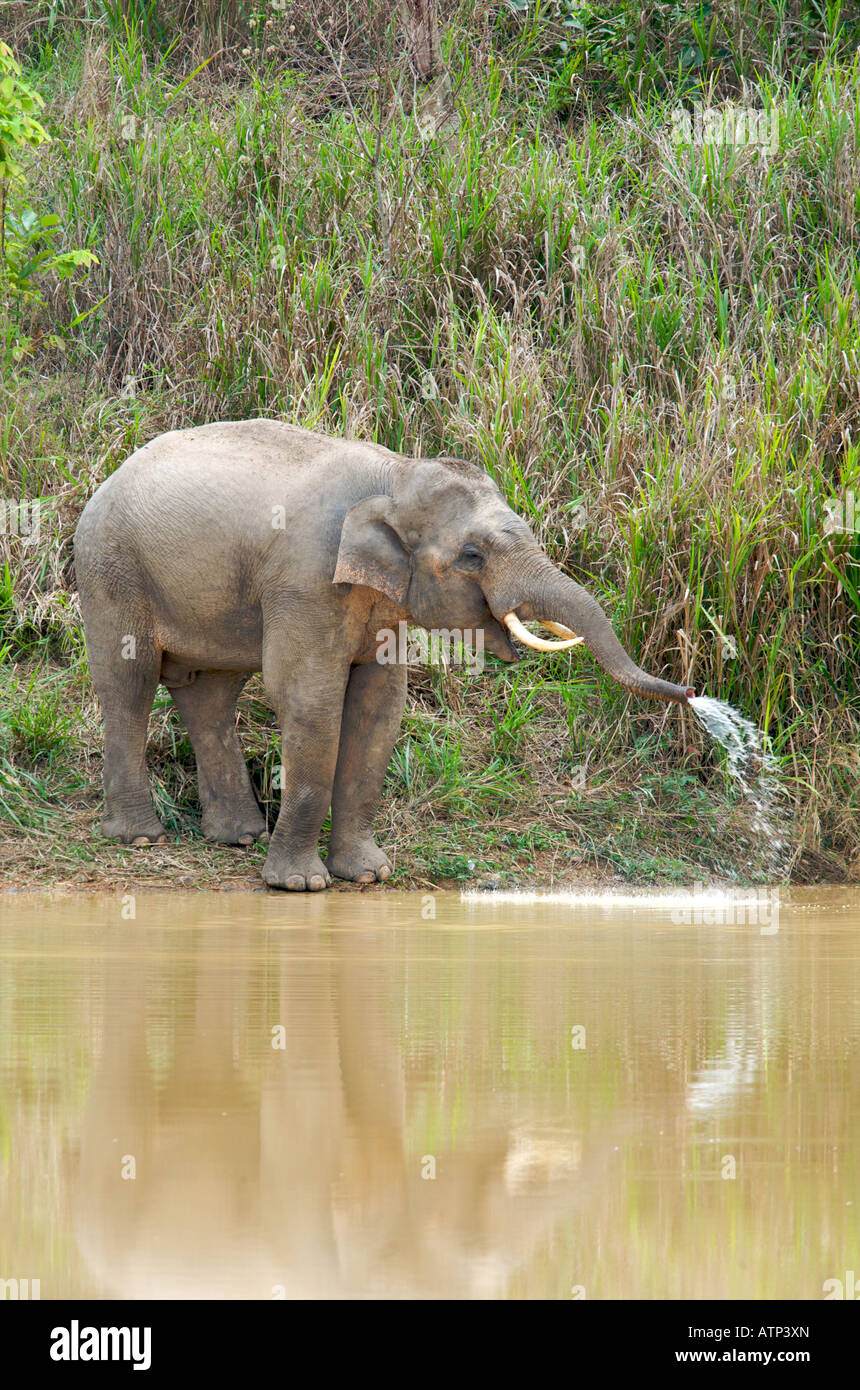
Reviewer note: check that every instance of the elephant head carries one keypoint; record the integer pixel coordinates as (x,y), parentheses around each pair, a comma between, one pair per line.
(444,545)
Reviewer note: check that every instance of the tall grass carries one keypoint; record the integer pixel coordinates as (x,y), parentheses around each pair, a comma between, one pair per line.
(652,346)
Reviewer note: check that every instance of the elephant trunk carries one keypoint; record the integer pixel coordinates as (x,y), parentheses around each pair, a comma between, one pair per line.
(534,588)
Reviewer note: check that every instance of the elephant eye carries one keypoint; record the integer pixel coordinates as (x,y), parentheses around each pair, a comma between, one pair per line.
(470,557)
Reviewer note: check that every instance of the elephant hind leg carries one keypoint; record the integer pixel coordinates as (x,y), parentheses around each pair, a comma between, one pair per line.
(124,665)
(231,813)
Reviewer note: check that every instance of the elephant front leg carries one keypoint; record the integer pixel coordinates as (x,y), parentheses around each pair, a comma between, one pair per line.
(372,713)
(309,705)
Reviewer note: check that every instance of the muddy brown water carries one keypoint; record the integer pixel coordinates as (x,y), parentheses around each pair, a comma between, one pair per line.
(514,1098)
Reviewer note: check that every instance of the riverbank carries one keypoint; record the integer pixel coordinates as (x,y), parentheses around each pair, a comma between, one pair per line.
(633,826)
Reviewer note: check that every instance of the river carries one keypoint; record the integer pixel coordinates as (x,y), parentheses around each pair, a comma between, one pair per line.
(384,1094)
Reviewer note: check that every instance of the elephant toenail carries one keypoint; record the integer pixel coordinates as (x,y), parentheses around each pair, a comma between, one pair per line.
(246,840)
(367,877)
(317,883)
(296,883)
(383,874)
(141,840)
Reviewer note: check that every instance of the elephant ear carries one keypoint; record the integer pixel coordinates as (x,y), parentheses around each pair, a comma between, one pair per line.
(371,551)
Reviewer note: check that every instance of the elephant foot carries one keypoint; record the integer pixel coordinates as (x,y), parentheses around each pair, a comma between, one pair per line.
(134,832)
(297,872)
(244,830)
(363,862)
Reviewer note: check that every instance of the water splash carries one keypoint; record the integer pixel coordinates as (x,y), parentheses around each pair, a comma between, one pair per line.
(754,769)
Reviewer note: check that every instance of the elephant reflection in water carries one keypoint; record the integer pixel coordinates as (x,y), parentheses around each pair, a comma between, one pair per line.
(289,1172)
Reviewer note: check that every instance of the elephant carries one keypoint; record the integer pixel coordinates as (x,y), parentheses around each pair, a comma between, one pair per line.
(226,549)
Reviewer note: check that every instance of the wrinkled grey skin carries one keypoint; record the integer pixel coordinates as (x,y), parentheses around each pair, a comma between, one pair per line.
(249,546)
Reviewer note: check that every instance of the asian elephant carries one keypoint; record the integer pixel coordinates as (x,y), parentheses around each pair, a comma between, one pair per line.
(218,551)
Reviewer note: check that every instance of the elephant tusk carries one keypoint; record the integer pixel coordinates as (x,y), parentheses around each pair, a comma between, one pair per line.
(540,644)
(559,630)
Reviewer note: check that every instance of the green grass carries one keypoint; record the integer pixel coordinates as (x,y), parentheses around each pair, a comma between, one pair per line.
(654,349)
